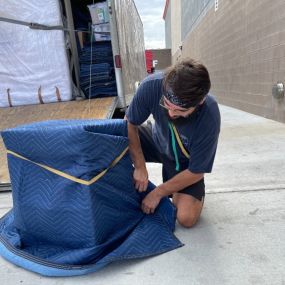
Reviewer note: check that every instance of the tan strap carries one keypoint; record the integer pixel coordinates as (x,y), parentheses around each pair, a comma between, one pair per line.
(9,97)
(58,97)
(40,95)
(70,177)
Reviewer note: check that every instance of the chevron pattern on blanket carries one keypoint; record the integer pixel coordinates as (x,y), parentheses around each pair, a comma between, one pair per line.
(59,227)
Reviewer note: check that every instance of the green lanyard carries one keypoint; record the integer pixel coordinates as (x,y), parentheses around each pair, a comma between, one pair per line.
(174,148)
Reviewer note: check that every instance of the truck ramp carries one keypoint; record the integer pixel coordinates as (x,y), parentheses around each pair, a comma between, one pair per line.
(101,108)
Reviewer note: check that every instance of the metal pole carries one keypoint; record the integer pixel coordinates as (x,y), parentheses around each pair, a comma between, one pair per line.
(73,44)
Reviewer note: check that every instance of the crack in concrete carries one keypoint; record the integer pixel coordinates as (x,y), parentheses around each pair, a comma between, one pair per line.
(246,190)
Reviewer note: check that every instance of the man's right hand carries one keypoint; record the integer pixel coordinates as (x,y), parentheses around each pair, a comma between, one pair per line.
(140,173)
(140,179)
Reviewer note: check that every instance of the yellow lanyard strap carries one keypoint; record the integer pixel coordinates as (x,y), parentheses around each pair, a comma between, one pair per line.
(184,151)
(70,177)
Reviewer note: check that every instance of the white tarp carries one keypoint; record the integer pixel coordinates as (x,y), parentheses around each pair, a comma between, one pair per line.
(32,61)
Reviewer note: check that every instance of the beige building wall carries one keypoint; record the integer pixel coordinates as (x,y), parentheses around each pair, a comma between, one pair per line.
(243,46)
(162,58)
(176,28)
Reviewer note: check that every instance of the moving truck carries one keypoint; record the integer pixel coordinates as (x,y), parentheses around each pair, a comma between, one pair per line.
(50,52)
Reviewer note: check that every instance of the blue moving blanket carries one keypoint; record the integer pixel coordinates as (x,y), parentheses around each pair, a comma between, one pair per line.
(97,74)
(75,206)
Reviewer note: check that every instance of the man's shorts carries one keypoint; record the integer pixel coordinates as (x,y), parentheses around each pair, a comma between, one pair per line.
(151,154)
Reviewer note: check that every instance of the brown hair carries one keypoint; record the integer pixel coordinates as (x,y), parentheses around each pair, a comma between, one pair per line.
(189,81)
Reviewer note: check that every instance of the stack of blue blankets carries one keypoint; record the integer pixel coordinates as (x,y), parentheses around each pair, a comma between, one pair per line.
(75,208)
(97,77)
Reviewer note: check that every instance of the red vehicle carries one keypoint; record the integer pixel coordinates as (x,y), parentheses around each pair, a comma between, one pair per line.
(148,59)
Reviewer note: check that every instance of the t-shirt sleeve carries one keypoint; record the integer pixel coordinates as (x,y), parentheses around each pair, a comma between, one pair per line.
(203,153)
(140,107)
(203,149)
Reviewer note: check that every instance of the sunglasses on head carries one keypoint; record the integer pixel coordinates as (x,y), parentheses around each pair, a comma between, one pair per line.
(163,105)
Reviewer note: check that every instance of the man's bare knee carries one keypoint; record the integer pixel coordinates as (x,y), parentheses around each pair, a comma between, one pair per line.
(187,221)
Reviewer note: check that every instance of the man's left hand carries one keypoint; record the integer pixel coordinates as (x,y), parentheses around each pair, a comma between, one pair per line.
(151,201)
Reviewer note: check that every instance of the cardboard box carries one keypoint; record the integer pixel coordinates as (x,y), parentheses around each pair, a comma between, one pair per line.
(99,13)
(101,32)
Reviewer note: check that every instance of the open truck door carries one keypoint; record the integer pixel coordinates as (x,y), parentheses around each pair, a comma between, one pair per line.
(127,61)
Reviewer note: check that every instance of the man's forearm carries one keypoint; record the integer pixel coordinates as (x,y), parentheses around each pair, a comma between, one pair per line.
(180,181)
(135,146)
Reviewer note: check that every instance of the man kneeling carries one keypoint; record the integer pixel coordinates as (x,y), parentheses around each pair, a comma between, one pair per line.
(183,138)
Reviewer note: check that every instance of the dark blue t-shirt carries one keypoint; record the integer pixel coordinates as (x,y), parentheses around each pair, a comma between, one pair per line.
(199,134)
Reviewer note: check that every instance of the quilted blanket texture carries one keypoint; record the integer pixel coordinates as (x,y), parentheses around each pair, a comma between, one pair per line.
(75,208)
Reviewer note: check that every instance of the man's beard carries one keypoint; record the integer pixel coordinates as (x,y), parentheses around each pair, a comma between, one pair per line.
(180,121)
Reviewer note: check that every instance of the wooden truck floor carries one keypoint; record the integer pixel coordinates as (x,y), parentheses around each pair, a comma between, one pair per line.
(101,108)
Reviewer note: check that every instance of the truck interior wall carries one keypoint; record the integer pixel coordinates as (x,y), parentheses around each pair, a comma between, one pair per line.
(130,39)
(97,77)
(33,62)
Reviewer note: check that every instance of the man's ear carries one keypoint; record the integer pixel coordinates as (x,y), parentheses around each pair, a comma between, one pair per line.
(202,101)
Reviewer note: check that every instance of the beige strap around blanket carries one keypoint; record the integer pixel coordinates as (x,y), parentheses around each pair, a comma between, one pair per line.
(70,177)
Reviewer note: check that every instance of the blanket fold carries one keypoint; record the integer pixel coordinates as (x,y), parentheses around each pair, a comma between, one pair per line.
(61,227)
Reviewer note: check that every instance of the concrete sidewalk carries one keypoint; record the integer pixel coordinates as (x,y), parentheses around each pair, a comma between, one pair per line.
(240,236)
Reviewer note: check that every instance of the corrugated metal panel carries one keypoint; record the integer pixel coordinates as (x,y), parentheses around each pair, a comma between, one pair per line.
(131,42)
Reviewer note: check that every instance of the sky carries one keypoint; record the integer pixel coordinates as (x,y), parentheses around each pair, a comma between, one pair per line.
(151,13)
